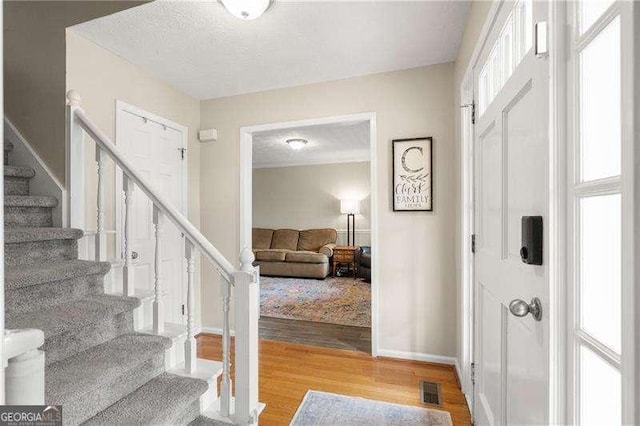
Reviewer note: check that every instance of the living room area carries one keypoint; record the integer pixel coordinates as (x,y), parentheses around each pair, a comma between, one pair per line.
(311,233)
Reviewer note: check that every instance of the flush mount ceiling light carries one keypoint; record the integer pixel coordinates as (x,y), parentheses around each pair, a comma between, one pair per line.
(297,143)
(246,9)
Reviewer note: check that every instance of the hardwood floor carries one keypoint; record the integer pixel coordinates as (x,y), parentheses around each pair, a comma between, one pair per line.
(316,334)
(288,370)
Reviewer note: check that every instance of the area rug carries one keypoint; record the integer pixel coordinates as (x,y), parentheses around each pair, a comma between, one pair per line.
(343,301)
(321,408)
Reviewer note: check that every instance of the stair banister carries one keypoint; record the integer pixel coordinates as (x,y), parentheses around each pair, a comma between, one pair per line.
(244,280)
(222,265)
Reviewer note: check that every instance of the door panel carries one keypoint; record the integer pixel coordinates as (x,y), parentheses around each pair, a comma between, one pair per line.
(511,181)
(154,151)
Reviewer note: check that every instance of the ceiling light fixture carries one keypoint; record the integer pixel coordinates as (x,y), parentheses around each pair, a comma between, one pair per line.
(297,143)
(246,9)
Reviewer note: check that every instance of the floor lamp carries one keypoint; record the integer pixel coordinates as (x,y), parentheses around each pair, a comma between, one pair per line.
(351,208)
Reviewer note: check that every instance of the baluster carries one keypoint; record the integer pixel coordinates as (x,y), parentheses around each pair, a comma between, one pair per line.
(225,394)
(101,237)
(75,174)
(190,354)
(127,273)
(246,341)
(158,312)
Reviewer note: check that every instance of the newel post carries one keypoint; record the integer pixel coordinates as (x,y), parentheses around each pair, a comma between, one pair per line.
(75,172)
(246,342)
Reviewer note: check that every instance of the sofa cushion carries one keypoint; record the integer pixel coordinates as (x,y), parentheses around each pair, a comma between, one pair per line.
(285,239)
(313,239)
(261,238)
(306,257)
(271,255)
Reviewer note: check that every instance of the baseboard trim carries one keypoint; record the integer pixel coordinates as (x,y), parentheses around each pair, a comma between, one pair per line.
(458,371)
(417,356)
(213,330)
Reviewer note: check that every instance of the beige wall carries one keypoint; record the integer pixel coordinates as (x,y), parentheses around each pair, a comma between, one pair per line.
(34,69)
(303,197)
(417,286)
(101,78)
(475,21)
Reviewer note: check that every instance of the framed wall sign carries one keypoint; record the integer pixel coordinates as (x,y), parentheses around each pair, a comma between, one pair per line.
(412,174)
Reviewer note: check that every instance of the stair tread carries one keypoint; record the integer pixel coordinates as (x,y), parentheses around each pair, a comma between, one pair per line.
(153,403)
(19,276)
(57,319)
(30,201)
(8,146)
(23,235)
(69,379)
(19,171)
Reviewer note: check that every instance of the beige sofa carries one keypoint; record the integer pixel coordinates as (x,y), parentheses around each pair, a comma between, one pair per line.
(293,253)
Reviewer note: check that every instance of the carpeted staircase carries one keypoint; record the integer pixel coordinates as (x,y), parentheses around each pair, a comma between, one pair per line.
(98,368)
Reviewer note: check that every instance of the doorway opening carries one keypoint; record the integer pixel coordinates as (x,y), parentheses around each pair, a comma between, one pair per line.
(307,197)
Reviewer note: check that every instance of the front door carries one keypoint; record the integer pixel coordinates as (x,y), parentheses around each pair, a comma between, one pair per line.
(155,149)
(511,181)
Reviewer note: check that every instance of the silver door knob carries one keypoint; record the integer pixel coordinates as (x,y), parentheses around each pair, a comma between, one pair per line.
(134,255)
(520,308)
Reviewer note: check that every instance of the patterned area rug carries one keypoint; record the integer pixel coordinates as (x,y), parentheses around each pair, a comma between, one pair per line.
(343,301)
(321,408)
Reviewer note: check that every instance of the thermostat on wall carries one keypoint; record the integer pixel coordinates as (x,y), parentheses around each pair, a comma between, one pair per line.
(208,135)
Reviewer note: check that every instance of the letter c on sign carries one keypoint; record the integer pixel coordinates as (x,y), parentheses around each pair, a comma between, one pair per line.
(404,159)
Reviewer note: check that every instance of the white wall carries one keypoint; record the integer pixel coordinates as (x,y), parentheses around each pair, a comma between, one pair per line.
(304,197)
(416,249)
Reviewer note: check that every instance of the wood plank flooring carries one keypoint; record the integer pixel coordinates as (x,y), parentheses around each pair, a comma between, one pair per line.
(316,334)
(288,370)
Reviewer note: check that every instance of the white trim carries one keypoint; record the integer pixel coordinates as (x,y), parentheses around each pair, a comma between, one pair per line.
(467,229)
(246,188)
(310,162)
(44,182)
(557,213)
(418,356)
(630,360)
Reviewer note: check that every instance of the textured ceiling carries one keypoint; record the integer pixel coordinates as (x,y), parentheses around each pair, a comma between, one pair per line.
(330,143)
(201,49)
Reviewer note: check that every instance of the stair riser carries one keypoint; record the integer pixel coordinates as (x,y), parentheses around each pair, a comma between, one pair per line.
(6,158)
(70,343)
(28,217)
(90,404)
(16,186)
(48,294)
(29,253)
(188,415)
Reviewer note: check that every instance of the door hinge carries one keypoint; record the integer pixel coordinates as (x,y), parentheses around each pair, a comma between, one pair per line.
(473,243)
(182,309)
(182,151)
(473,111)
(473,373)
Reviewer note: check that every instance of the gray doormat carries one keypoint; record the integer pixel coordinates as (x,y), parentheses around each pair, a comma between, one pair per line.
(321,408)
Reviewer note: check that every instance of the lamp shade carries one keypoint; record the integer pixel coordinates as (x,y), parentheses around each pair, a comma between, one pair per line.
(349,206)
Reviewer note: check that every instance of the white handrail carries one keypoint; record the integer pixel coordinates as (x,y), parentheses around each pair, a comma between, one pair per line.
(224,267)
(244,409)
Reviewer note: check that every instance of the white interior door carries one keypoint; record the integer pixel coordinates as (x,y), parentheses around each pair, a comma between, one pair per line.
(155,149)
(511,180)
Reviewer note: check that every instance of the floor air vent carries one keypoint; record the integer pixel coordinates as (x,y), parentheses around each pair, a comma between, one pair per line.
(430,393)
